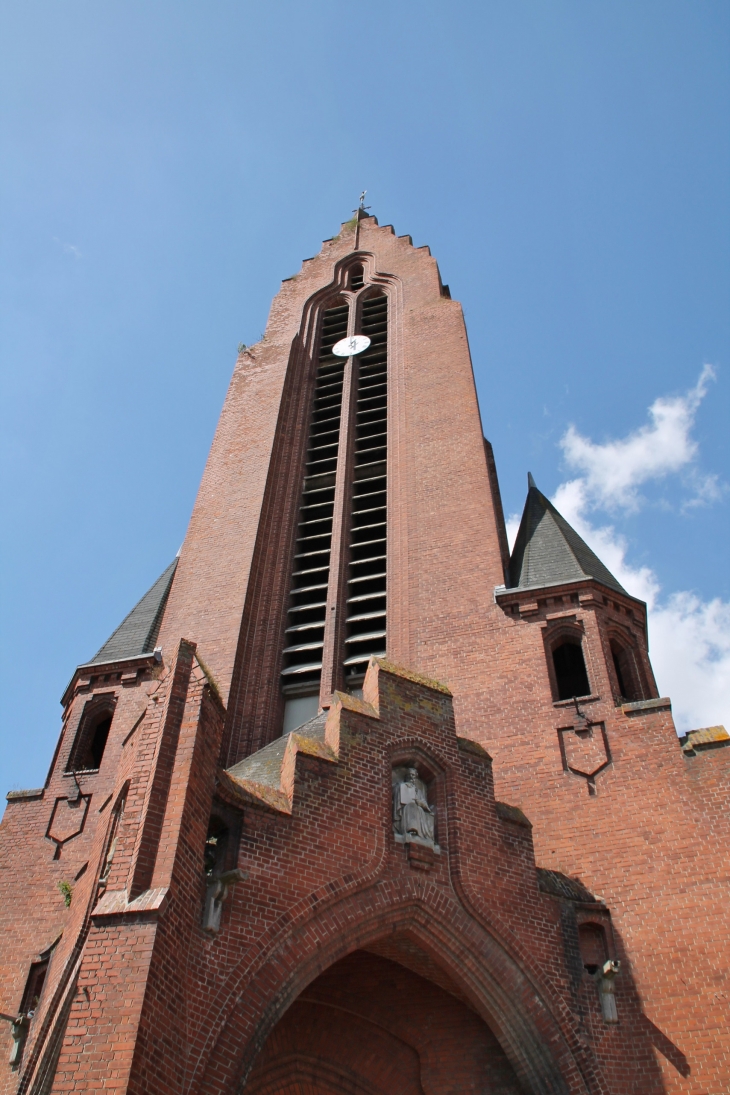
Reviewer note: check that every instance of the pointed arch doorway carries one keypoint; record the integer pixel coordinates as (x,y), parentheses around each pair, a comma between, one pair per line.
(380,1021)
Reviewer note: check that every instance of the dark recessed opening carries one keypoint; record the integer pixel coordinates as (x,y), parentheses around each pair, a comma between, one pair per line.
(625,671)
(619,675)
(357,279)
(593,949)
(215,846)
(34,987)
(301,669)
(570,671)
(91,739)
(98,742)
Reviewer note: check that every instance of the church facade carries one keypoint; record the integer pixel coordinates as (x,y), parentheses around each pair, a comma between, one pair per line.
(354,799)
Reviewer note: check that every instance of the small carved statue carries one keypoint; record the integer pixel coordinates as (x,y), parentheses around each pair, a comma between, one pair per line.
(216,892)
(19,1030)
(413,818)
(605,977)
(218,879)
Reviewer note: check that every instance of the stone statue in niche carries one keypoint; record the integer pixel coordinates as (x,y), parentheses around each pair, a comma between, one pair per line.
(413,819)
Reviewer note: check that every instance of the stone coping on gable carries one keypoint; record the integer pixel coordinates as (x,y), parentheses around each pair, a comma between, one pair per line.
(411,675)
(19,796)
(661,704)
(708,737)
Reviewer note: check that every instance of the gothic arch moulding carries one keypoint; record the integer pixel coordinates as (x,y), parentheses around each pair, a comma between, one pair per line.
(544,1052)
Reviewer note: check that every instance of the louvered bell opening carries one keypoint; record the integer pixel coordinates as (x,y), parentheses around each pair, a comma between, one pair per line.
(366,603)
(302,662)
(357,279)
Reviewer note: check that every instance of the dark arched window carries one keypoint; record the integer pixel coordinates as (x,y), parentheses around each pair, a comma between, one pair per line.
(626,675)
(593,949)
(91,739)
(570,670)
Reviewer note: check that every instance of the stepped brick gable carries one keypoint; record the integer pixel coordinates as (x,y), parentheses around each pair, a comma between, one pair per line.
(353,800)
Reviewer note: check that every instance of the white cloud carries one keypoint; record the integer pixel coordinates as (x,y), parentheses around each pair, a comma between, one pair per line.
(612,472)
(513,525)
(689,638)
(690,651)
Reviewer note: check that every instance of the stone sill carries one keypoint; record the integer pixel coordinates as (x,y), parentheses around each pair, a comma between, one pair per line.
(580,699)
(417,840)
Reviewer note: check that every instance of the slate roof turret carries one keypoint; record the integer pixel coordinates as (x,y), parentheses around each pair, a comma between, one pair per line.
(549,552)
(137,633)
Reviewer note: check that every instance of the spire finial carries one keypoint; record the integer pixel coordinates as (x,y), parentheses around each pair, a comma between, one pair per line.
(531,482)
(359,214)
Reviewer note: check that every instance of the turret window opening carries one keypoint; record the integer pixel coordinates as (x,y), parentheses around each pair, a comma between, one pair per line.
(34,987)
(571,676)
(113,836)
(91,738)
(626,674)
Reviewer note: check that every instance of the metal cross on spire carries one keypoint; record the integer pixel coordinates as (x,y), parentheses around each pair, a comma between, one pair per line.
(359,212)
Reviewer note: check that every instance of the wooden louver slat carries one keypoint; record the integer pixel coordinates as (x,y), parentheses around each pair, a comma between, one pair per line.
(302,654)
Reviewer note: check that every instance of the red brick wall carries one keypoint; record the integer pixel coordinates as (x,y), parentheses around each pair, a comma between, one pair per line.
(330,877)
(652,842)
(160,1004)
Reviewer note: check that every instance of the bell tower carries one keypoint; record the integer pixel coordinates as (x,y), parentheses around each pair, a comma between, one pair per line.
(349,506)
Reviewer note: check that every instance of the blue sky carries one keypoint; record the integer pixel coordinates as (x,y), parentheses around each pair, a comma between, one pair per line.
(167,164)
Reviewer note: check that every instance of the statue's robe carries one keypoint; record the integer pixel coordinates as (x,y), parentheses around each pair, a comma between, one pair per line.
(411,813)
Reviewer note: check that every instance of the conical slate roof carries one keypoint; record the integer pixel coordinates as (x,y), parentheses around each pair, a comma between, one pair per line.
(548,551)
(137,633)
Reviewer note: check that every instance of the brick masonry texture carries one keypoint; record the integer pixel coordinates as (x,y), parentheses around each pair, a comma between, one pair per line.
(345,960)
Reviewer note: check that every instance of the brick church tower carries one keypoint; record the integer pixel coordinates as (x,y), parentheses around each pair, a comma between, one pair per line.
(353,800)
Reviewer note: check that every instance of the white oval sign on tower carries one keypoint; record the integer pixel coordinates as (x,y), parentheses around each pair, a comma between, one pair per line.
(348,347)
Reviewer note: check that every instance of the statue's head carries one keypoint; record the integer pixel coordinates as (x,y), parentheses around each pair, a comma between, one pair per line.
(413,773)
